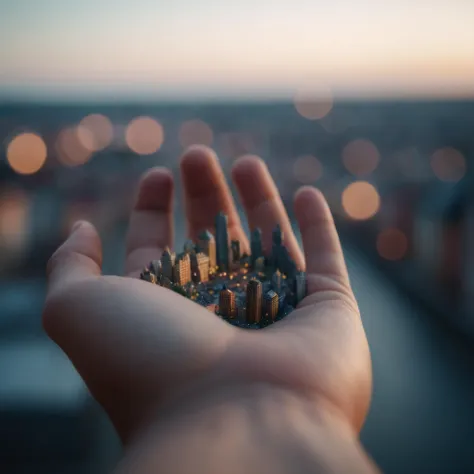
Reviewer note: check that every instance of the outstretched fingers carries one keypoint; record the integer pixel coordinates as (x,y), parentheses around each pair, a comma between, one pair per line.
(206,193)
(325,265)
(263,205)
(151,222)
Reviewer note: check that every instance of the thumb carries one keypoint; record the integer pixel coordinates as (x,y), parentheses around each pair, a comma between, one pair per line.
(79,257)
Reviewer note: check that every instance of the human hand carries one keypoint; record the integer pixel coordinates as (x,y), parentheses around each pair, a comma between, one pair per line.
(139,347)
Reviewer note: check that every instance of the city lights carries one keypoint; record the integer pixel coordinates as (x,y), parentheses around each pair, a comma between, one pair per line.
(307,169)
(196,274)
(95,132)
(144,135)
(360,200)
(26,153)
(70,150)
(360,157)
(195,132)
(448,164)
(392,244)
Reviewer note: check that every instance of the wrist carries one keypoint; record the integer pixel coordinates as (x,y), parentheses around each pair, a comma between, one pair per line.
(245,429)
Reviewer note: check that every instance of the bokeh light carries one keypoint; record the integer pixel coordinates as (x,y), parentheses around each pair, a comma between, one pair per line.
(360,200)
(448,164)
(26,153)
(70,150)
(314,103)
(14,208)
(95,132)
(360,157)
(392,244)
(144,135)
(195,132)
(307,169)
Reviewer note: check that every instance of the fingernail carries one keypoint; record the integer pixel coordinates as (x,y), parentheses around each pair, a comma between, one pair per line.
(76,226)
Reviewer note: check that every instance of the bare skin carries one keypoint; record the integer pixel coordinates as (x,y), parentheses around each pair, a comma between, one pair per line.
(186,391)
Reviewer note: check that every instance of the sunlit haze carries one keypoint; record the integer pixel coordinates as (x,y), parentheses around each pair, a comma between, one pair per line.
(259,48)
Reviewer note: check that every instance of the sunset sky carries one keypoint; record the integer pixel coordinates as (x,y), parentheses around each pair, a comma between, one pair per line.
(247,48)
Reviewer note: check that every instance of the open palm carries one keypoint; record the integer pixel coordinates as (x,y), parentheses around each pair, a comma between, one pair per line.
(140,347)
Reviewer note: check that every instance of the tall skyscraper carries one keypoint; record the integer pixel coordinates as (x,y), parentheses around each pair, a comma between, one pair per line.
(300,286)
(277,236)
(207,244)
(277,246)
(227,307)
(256,250)
(222,242)
(254,301)
(271,305)
(182,269)
(200,267)
(167,262)
(235,248)
(259,265)
(276,281)
(189,246)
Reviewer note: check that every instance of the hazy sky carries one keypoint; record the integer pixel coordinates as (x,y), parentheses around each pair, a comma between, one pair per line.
(177,48)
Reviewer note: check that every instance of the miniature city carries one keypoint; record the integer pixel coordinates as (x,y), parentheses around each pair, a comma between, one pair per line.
(249,291)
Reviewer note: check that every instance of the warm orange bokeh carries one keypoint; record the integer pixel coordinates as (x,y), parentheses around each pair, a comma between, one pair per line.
(95,132)
(360,200)
(144,135)
(360,157)
(70,150)
(27,153)
(307,169)
(195,132)
(14,208)
(392,244)
(448,164)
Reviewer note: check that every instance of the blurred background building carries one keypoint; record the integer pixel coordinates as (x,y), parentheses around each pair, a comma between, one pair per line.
(372,102)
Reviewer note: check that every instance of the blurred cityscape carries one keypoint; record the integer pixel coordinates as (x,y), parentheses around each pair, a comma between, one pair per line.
(398,176)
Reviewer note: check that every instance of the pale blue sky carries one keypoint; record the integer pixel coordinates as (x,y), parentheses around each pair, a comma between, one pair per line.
(177,48)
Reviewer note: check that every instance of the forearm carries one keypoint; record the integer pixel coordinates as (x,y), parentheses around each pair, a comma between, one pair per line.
(256,429)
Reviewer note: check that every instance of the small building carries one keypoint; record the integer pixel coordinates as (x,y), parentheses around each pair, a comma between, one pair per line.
(148,276)
(156,267)
(276,281)
(260,264)
(207,245)
(235,250)
(270,305)
(227,307)
(200,267)
(168,259)
(254,301)
(300,287)
(182,270)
